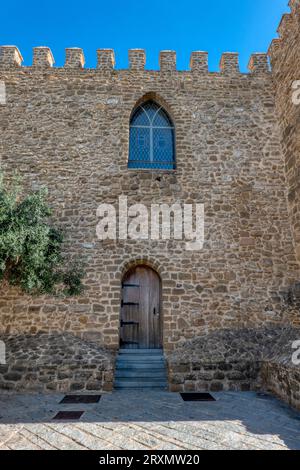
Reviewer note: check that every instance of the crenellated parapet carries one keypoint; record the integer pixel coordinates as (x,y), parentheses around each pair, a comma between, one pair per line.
(167,61)
(274,50)
(286,25)
(199,62)
(106,59)
(229,64)
(42,57)
(74,58)
(137,59)
(259,64)
(10,57)
(288,31)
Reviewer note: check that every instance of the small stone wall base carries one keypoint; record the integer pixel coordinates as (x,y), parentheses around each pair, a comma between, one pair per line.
(55,363)
(214,377)
(238,360)
(282,381)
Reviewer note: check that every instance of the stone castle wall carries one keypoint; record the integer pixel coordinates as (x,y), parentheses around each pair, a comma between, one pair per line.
(68,129)
(285,59)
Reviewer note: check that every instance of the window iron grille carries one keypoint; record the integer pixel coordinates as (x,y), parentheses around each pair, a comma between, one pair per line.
(152,138)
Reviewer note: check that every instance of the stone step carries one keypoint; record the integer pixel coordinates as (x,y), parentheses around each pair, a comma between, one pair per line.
(141,373)
(141,388)
(141,365)
(141,351)
(140,369)
(127,383)
(140,358)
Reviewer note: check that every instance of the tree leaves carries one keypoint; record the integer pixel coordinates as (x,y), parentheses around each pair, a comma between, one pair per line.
(30,249)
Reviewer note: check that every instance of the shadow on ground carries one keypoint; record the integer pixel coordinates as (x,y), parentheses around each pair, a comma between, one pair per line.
(244,415)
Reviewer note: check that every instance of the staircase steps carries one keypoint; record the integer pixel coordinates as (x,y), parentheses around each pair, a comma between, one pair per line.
(136,352)
(141,369)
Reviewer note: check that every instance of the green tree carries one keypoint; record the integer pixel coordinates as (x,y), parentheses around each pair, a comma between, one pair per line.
(30,248)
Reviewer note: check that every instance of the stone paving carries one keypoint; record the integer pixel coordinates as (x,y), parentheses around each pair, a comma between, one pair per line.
(150,420)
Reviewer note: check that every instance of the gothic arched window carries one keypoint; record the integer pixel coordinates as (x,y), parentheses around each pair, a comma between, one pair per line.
(151,143)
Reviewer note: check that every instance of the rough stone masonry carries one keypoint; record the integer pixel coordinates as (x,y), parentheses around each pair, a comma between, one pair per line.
(237,148)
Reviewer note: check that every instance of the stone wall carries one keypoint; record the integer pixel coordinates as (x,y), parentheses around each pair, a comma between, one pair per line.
(55,363)
(285,59)
(282,381)
(244,359)
(68,129)
(198,376)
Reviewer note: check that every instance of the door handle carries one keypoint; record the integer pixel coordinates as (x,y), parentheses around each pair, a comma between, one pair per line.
(155,312)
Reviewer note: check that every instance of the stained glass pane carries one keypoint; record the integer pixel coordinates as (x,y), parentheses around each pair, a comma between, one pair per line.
(151,139)
(140,118)
(139,147)
(162,119)
(151,109)
(163,144)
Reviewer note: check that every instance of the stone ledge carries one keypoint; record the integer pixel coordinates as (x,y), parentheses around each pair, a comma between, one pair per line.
(55,363)
(238,360)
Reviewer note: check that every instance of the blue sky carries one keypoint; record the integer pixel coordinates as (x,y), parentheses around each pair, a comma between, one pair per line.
(243,26)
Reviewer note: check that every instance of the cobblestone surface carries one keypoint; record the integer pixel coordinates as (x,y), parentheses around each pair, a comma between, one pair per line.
(150,420)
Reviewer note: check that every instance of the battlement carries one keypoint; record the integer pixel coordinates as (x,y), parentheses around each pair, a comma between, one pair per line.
(10,57)
(287,28)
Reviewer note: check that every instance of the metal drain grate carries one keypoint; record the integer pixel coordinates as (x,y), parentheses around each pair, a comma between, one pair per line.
(68,415)
(197,397)
(80,399)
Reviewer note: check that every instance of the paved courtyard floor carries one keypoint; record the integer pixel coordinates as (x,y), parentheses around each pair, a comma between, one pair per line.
(150,420)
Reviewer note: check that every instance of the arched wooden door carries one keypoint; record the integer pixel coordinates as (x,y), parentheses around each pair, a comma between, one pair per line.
(141,309)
